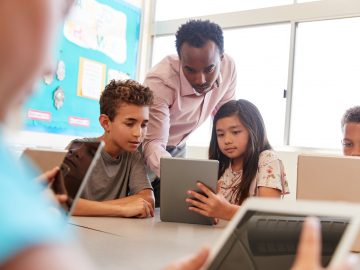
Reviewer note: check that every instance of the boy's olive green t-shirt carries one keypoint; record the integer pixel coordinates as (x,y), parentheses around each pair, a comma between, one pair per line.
(113,179)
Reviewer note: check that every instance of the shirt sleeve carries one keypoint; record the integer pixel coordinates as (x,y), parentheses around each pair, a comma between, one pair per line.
(270,175)
(138,177)
(230,93)
(154,146)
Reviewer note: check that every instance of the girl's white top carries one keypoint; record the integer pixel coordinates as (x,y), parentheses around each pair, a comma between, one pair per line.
(270,173)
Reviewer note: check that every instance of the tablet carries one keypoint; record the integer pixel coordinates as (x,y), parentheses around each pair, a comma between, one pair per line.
(76,170)
(264,234)
(339,174)
(178,175)
(44,159)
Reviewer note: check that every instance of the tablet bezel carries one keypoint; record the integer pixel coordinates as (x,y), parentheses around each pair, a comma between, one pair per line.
(306,208)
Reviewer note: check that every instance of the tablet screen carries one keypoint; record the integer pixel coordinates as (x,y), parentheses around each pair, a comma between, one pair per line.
(73,170)
(264,240)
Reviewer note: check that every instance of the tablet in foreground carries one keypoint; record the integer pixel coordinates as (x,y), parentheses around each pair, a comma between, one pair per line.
(265,234)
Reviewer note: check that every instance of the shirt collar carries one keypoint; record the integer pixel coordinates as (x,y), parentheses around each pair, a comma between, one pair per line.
(186,88)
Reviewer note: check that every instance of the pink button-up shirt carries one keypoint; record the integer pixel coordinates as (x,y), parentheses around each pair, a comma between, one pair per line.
(177,110)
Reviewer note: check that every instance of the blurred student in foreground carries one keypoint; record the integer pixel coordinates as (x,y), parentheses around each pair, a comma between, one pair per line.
(30,236)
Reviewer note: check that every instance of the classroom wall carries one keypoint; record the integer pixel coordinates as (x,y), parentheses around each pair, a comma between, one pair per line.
(19,140)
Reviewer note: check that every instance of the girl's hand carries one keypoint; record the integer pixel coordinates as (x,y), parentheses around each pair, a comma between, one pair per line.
(215,206)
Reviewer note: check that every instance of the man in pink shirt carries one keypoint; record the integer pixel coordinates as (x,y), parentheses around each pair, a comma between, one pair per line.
(188,88)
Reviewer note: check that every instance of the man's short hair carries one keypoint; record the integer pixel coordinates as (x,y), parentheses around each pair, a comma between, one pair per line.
(197,33)
(351,115)
(129,91)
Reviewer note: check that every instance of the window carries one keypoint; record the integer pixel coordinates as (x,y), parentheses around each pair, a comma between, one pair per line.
(305,1)
(261,55)
(163,46)
(326,80)
(174,9)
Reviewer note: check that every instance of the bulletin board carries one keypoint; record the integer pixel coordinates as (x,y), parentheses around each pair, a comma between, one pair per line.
(104,32)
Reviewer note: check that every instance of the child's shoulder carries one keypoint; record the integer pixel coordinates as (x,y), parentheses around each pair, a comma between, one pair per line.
(268,156)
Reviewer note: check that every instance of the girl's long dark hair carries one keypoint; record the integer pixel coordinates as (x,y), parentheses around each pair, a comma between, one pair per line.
(251,118)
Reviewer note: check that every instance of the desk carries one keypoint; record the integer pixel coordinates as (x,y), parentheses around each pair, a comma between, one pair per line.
(131,243)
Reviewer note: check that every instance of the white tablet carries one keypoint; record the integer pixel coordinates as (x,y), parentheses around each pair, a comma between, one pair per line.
(264,234)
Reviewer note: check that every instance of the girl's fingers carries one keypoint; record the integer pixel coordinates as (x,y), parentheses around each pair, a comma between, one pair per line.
(200,211)
(207,191)
(196,203)
(197,196)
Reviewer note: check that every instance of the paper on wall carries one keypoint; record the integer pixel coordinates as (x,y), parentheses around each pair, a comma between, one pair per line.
(99,27)
(117,75)
(92,75)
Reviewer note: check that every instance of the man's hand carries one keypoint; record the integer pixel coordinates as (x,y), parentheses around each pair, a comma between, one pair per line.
(215,206)
(139,208)
(193,262)
(309,249)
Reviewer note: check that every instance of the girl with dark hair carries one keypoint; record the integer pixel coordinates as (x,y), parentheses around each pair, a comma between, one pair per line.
(248,164)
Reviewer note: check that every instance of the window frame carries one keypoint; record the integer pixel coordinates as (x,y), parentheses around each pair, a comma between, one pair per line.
(294,14)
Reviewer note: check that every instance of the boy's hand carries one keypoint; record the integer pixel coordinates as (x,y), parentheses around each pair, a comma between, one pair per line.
(193,262)
(139,208)
(215,206)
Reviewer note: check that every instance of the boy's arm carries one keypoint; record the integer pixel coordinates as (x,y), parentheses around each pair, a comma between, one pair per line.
(146,194)
(136,208)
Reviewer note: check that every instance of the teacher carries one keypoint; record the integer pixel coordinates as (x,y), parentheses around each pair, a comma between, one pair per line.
(188,88)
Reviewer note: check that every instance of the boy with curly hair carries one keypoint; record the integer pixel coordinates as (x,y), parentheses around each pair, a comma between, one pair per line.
(350,126)
(119,185)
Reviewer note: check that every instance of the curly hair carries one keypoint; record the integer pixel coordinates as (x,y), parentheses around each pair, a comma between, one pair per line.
(351,115)
(129,91)
(197,32)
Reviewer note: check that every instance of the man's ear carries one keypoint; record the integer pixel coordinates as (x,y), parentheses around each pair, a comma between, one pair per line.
(222,57)
(105,122)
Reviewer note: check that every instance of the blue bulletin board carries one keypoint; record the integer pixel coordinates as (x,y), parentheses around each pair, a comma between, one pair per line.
(102,31)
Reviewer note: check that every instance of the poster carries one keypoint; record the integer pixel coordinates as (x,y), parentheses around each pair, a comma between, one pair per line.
(99,27)
(91,81)
(117,30)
